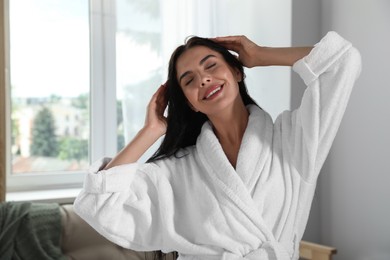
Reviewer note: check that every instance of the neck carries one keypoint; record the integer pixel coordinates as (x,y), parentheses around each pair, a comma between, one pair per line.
(229,126)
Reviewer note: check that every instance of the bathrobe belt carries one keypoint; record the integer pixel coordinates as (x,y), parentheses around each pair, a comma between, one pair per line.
(270,250)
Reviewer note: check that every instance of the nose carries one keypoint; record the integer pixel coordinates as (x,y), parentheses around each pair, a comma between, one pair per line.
(204,81)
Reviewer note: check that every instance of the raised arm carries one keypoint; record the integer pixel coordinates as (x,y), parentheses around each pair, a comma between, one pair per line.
(330,72)
(252,55)
(155,126)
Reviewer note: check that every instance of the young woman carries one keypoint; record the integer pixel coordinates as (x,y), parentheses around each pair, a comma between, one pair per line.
(227,182)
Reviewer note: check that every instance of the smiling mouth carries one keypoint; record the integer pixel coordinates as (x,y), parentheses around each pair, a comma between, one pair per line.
(212,93)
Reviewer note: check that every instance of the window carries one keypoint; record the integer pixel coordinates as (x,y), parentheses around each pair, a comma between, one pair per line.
(56,90)
(81,73)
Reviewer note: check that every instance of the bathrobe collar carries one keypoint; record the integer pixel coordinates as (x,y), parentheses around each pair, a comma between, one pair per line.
(256,143)
(238,184)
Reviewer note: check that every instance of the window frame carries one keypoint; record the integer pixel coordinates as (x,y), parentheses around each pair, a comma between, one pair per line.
(103,86)
(2,105)
(102,24)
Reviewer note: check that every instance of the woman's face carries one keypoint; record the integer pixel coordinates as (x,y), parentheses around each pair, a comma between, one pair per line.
(207,81)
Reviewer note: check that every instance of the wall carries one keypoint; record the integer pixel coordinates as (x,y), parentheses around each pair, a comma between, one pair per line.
(355,207)
(352,204)
(265,84)
(306,31)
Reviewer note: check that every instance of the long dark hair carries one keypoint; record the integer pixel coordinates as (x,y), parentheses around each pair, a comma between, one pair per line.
(183,123)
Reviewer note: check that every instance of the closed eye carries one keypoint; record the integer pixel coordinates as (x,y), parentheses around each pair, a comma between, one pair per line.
(188,82)
(210,66)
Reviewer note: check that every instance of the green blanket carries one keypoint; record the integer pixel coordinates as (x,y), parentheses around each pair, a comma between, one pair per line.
(30,231)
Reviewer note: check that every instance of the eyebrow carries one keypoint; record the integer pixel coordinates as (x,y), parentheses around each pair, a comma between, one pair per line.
(200,63)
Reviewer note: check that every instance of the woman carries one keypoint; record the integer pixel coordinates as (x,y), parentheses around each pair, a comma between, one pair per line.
(227,182)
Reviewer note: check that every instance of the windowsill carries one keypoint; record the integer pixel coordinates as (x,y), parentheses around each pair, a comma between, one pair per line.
(62,196)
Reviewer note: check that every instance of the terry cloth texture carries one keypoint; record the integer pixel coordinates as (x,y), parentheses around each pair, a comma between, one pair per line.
(30,231)
(201,206)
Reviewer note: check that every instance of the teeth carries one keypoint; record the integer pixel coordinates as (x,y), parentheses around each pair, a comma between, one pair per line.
(213,92)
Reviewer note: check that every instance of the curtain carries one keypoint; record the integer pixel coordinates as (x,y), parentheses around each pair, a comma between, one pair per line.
(265,22)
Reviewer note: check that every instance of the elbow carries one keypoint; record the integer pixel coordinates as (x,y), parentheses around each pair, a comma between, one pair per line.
(355,61)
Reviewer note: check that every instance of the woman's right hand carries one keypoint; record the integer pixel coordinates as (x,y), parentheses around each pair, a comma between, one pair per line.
(155,119)
(155,126)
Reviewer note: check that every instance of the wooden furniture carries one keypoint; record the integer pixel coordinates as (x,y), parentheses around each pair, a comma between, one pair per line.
(313,251)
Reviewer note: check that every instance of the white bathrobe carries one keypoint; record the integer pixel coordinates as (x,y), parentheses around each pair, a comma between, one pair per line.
(200,206)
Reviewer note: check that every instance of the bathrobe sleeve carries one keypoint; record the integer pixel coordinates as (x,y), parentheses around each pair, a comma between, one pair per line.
(329,71)
(121,203)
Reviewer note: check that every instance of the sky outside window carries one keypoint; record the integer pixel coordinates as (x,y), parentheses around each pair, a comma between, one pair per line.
(49,77)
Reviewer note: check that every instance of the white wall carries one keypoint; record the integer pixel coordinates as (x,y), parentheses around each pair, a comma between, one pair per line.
(355,192)
(306,31)
(353,199)
(250,17)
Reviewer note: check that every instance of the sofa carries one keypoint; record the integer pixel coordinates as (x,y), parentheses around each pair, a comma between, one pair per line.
(81,242)
(49,231)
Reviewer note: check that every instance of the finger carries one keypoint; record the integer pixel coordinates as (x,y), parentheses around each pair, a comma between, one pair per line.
(155,102)
(161,99)
(232,47)
(234,38)
(230,42)
(159,91)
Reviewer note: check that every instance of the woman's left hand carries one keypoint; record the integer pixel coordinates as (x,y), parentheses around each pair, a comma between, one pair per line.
(252,55)
(248,51)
